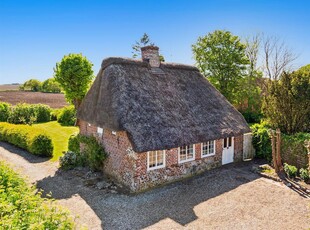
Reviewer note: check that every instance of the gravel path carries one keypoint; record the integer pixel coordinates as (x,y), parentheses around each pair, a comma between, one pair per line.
(231,197)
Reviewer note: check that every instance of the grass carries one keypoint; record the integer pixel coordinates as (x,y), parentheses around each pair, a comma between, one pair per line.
(267,170)
(60,136)
(22,208)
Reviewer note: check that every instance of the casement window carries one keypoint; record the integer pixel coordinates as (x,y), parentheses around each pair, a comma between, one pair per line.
(186,153)
(99,131)
(207,149)
(156,159)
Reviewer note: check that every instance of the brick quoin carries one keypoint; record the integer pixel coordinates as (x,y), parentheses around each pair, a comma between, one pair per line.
(130,168)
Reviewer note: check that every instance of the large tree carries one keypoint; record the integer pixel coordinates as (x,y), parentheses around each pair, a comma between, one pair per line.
(51,86)
(287,104)
(32,84)
(277,57)
(74,74)
(249,96)
(220,56)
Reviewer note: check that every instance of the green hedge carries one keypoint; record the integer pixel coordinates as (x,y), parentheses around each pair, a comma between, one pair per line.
(29,114)
(261,141)
(32,139)
(4,111)
(21,207)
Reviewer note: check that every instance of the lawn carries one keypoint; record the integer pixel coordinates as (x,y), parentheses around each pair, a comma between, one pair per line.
(60,136)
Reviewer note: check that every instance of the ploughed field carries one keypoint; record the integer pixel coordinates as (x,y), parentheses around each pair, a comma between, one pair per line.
(54,100)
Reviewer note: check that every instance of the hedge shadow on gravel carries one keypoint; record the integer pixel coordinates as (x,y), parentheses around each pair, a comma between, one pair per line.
(23,153)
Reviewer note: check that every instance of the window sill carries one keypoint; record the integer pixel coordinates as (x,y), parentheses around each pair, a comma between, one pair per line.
(156,167)
(209,155)
(188,160)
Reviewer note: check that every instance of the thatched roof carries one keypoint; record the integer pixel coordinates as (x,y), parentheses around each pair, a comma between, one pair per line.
(160,108)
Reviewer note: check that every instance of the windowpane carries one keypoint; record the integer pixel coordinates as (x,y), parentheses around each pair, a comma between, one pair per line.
(156,158)
(204,148)
(208,148)
(229,139)
(160,158)
(225,142)
(99,131)
(211,147)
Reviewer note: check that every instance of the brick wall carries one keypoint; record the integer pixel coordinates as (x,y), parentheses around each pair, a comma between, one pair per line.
(174,170)
(130,168)
(238,148)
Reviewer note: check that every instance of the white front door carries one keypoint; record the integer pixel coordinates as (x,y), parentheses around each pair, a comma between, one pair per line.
(228,150)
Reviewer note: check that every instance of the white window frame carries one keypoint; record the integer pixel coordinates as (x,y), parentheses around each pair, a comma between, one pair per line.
(210,154)
(99,131)
(157,166)
(187,160)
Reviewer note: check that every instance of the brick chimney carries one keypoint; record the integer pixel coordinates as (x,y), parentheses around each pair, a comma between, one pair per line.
(150,54)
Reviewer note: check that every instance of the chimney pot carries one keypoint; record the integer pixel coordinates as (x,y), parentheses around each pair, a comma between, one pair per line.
(150,54)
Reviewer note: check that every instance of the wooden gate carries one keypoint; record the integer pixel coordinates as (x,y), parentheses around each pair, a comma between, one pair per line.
(248,149)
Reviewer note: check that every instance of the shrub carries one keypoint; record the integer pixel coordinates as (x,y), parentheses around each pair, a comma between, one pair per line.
(41,144)
(91,154)
(71,159)
(29,114)
(290,170)
(67,116)
(93,151)
(304,174)
(27,137)
(4,111)
(21,208)
(42,112)
(22,114)
(261,141)
(54,114)
(74,143)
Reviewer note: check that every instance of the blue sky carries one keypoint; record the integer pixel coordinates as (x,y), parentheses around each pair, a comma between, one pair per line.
(34,35)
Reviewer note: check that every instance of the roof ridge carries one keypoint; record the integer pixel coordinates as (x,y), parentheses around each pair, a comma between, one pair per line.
(131,61)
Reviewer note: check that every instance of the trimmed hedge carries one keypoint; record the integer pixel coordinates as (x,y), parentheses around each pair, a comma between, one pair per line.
(21,207)
(32,139)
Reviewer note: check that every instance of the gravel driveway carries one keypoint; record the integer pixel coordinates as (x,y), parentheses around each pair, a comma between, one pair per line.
(230,197)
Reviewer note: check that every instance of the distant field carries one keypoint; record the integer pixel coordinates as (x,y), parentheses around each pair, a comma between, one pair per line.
(54,100)
(9,87)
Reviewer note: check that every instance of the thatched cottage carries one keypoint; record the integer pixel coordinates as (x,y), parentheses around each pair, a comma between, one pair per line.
(159,122)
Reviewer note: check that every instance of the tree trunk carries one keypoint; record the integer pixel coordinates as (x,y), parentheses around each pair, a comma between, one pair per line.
(279,160)
(76,103)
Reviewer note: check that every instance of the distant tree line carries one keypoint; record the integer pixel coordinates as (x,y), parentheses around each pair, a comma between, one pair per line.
(48,86)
